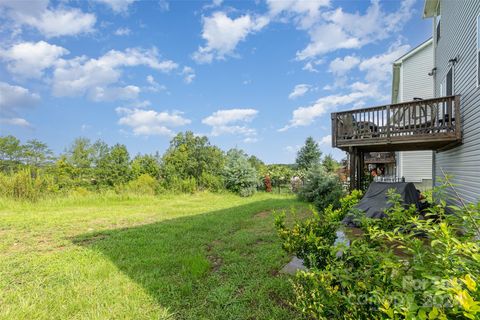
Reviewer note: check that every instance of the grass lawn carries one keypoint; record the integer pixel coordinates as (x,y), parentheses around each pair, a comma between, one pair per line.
(202,256)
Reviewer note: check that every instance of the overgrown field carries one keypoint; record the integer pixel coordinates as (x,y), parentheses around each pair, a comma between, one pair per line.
(201,256)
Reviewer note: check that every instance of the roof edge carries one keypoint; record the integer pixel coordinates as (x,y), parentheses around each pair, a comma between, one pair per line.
(410,53)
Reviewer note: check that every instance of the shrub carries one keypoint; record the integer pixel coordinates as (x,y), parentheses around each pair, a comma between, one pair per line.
(211,182)
(25,185)
(239,175)
(321,188)
(187,185)
(313,238)
(143,185)
(400,267)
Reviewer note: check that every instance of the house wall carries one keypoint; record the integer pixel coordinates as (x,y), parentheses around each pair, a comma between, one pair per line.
(459,39)
(416,166)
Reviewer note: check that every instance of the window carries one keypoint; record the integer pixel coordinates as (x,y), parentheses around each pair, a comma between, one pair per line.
(449,83)
(478,51)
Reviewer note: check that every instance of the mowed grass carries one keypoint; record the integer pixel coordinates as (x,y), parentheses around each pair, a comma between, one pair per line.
(202,256)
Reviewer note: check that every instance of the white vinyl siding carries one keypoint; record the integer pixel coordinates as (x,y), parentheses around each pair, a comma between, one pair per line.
(459,39)
(416,166)
(478,50)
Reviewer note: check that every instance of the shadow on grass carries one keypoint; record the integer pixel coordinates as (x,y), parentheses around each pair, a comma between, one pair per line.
(217,265)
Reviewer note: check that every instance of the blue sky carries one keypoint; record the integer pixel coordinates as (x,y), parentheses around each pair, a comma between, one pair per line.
(258,75)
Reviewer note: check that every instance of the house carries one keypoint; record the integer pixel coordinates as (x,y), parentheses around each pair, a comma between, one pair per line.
(412,79)
(456,47)
(447,124)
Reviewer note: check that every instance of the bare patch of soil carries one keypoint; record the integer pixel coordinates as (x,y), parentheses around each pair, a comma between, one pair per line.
(215,260)
(262,214)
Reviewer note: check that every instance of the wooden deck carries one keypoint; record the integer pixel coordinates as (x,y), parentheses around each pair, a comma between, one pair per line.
(432,124)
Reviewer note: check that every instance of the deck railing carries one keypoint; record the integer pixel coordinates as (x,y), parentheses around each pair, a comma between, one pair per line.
(401,122)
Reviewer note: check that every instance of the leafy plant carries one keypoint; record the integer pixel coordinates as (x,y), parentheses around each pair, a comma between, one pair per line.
(400,267)
(321,188)
(239,175)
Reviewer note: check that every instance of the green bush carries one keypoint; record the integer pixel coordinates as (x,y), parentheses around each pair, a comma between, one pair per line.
(26,185)
(187,185)
(239,175)
(210,182)
(321,188)
(143,185)
(312,239)
(400,267)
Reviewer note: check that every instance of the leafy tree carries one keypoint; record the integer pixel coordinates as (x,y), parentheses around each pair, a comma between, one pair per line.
(145,164)
(258,164)
(98,151)
(11,152)
(64,172)
(114,167)
(280,173)
(330,164)
(37,153)
(309,155)
(79,155)
(191,156)
(240,176)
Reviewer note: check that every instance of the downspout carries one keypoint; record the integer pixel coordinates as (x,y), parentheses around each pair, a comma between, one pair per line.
(434,79)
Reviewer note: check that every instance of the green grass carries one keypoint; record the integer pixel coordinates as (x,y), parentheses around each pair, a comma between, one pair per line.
(202,256)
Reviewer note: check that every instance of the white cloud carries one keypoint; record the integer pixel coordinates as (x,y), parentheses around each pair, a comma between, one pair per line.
(228,116)
(83,76)
(123,31)
(326,38)
(20,122)
(305,116)
(377,77)
(164,5)
(232,121)
(118,6)
(326,140)
(339,66)
(154,85)
(13,98)
(341,30)
(188,74)
(379,67)
(311,65)
(222,35)
(151,122)
(51,22)
(114,93)
(304,13)
(299,90)
(30,59)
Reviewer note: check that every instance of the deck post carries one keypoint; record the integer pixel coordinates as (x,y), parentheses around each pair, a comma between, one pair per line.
(388,124)
(353,169)
(357,162)
(360,169)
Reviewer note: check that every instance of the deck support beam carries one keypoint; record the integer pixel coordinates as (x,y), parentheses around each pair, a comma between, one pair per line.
(357,164)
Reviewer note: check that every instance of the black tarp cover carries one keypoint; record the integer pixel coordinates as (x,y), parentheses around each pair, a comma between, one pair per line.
(375,200)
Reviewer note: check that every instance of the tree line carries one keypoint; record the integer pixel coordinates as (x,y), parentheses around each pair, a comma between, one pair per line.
(189,164)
